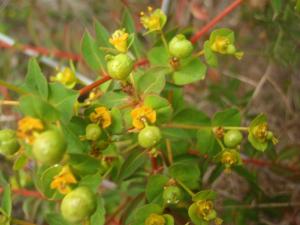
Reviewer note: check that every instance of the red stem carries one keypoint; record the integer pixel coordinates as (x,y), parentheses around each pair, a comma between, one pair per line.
(91,86)
(215,20)
(154,164)
(26,193)
(43,51)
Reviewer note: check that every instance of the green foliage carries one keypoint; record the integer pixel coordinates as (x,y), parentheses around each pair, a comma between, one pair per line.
(135,138)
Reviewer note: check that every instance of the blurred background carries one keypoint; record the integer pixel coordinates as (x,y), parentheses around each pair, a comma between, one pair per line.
(266,80)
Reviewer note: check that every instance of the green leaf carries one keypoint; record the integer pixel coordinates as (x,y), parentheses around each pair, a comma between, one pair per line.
(210,57)
(158,56)
(152,82)
(102,35)
(63,100)
(45,177)
(228,117)
(187,172)
(206,142)
(134,161)
(205,195)
(98,218)
(35,106)
(129,25)
(142,213)
(111,99)
(193,214)
(191,116)
(169,219)
(55,219)
(155,188)
(72,131)
(277,6)
(162,107)
(6,203)
(117,125)
(35,81)
(20,162)
(194,71)
(91,52)
(83,165)
(92,181)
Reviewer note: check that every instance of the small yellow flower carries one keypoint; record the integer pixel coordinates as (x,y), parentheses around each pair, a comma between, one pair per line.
(261,131)
(206,210)
(66,77)
(154,20)
(142,114)
(28,129)
(155,219)
(221,44)
(101,116)
(62,180)
(229,158)
(119,40)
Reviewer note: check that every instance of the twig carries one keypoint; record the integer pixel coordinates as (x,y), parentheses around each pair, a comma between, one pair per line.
(215,20)
(91,86)
(265,205)
(26,193)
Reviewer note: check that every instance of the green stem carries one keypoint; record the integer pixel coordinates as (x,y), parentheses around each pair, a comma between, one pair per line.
(131,147)
(164,40)
(236,128)
(198,127)
(12,87)
(185,188)
(221,144)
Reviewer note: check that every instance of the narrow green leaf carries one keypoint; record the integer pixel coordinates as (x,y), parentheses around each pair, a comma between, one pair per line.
(35,81)
(134,161)
(129,25)
(98,218)
(91,52)
(6,203)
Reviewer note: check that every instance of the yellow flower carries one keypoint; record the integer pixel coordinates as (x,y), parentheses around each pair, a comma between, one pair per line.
(142,114)
(154,20)
(66,77)
(229,158)
(221,44)
(28,129)
(206,210)
(119,40)
(155,219)
(101,116)
(62,180)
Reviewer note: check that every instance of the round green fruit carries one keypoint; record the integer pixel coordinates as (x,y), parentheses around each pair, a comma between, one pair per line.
(232,138)
(119,66)
(93,132)
(78,205)
(49,147)
(180,47)
(172,194)
(8,142)
(149,136)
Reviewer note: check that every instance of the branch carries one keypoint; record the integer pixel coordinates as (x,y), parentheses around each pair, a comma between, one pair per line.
(90,87)
(26,193)
(215,20)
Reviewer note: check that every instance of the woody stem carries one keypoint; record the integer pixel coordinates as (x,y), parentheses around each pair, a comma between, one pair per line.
(215,20)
